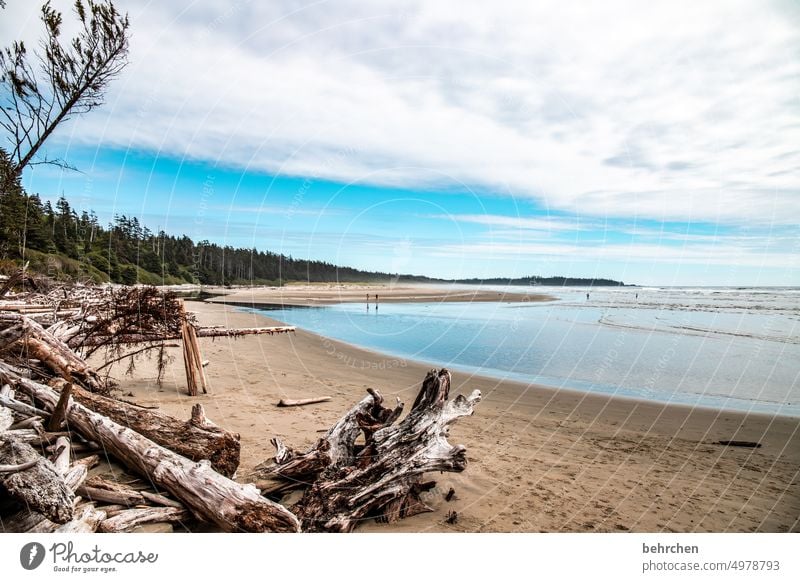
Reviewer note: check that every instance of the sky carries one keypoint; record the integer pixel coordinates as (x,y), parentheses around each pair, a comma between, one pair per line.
(654,143)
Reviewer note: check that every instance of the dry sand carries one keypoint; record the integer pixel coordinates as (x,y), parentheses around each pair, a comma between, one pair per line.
(330,293)
(539,459)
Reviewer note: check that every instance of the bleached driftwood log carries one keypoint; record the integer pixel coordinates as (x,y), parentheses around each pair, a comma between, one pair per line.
(86,520)
(383,478)
(53,353)
(209,495)
(196,439)
(127,520)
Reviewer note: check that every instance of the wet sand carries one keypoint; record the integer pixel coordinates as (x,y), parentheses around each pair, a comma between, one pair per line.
(540,460)
(331,293)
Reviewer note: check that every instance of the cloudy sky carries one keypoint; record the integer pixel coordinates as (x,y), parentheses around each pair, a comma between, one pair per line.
(655,143)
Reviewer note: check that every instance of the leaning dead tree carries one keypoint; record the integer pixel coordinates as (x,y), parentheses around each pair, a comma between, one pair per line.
(346,482)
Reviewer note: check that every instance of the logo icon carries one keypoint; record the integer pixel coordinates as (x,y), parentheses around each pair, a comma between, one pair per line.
(31,555)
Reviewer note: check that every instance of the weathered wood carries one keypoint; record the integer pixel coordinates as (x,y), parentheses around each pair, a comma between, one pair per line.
(86,521)
(6,419)
(57,417)
(161,500)
(202,331)
(196,439)
(110,496)
(209,495)
(40,487)
(197,358)
(52,352)
(383,477)
(88,462)
(61,461)
(303,401)
(126,521)
(21,407)
(34,422)
(188,358)
(33,521)
(100,489)
(18,468)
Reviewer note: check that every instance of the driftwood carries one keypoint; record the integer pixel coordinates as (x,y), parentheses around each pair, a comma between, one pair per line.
(209,495)
(125,498)
(383,478)
(201,331)
(192,358)
(20,407)
(86,521)
(34,522)
(57,417)
(34,422)
(303,401)
(125,521)
(40,344)
(40,486)
(196,439)
(105,491)
(6,419)
(17,468)
(61,456)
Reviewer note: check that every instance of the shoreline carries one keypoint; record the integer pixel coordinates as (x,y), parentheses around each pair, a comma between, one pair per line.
(511,380)
(332,294)
(540,458)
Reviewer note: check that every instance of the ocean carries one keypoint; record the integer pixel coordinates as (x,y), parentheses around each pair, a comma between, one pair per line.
(724,348)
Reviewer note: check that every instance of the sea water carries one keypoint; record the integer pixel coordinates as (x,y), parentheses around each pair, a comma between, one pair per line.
(716,347)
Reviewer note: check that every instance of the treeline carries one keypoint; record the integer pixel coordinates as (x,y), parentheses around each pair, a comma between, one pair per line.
(550,281)
(62,243)
(59,241)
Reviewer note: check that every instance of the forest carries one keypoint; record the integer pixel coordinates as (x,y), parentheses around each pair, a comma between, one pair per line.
(58,241)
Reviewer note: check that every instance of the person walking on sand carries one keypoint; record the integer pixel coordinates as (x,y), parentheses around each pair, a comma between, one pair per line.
(376,302)
(367,301)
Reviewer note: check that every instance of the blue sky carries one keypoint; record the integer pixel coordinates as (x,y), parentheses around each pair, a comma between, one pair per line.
(653,144)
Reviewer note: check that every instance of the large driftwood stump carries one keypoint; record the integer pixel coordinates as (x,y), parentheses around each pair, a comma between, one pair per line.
(383,478)
(196,439)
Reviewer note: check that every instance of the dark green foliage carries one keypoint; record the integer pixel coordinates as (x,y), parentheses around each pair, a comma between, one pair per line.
(63,244)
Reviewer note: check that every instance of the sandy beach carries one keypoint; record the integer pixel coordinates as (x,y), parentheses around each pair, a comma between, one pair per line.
(330,293)
(540,460)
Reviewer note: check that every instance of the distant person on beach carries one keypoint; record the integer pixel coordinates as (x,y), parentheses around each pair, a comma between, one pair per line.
(376,301)
(587,297)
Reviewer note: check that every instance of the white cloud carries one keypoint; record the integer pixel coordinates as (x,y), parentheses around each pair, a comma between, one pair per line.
(666,111)
(708,254)
(519,223)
